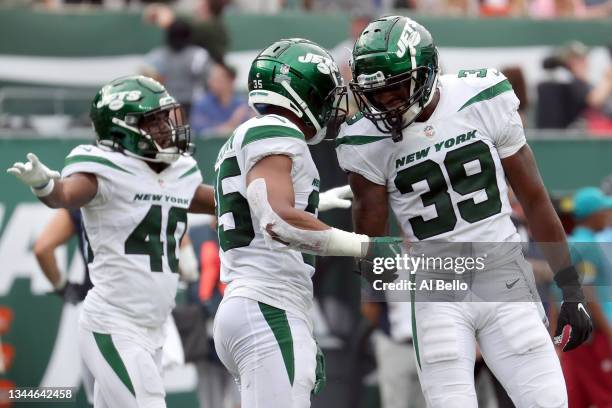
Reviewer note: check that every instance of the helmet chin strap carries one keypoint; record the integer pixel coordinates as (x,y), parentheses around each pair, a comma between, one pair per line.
(320,132)
(415,109)
(318,137)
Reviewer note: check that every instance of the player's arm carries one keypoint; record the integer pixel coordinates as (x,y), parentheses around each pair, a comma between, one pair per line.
(203,201)
(370,206)
(71,192)
(276,172)
(56,233)
(271,198)
(524,177)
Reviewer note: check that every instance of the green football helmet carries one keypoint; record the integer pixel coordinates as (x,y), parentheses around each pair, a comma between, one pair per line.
(395,72)
(301,77)
(135,115)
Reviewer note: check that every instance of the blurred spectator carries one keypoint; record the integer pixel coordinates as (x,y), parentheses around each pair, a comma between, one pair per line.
(398,377)
(221,110)
(258,6)
(342,52)
(180,66)
(207,26)
(64,225)
(570,8)
(566,96)
(587,369)
(517,80)
(502,8)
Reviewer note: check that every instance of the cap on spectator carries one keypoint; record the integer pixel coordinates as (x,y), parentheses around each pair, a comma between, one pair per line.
(589,200)
(572,49)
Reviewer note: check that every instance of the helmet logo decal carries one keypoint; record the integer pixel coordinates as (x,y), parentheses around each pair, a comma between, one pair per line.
(377,78)
(408,39)
(166,100)
(116,105)
(325,65)
(115,100)
(282,75)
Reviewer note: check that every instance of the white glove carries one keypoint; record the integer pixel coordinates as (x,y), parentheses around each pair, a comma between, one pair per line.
(188,264)
(335,198)
(35,175)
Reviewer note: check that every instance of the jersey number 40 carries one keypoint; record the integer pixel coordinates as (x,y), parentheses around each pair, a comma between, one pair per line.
(147,239)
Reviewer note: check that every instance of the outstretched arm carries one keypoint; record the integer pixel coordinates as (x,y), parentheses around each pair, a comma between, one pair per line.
(271,198)
(72,192)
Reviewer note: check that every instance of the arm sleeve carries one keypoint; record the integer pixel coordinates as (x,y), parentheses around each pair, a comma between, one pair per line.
(254,151)
(512,137)
(354,159)
(81,160)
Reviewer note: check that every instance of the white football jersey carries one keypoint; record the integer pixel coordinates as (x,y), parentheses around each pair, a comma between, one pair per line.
(444,179)
(134,226)
(279,277)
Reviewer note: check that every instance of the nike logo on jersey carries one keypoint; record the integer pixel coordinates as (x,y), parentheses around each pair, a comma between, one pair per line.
(581,307)
(511,284)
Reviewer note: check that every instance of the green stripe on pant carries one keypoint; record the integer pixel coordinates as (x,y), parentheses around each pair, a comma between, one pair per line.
(277,320)
(415,336)
(112,357)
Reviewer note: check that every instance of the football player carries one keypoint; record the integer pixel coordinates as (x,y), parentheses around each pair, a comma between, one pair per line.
(438,149)
(267,191)
(134,188)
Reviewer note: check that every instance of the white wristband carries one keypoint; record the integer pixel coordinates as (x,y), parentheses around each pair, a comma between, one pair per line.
(344,243)
(44,191)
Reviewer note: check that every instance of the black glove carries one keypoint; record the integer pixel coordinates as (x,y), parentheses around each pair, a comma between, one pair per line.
(365,268)
(72,293)
(573,311)
(381,248)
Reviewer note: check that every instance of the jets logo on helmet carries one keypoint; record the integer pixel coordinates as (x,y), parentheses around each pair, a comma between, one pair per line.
(395,70)
(409,38)
(324,64)
(301,77)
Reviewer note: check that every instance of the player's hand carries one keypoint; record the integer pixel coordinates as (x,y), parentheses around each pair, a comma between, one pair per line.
(335,198)
(72,293)
(33,173)
(380,248)
(574,325)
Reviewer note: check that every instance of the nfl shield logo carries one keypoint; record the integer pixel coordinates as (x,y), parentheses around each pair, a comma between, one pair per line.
(284,69)
(429,131)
